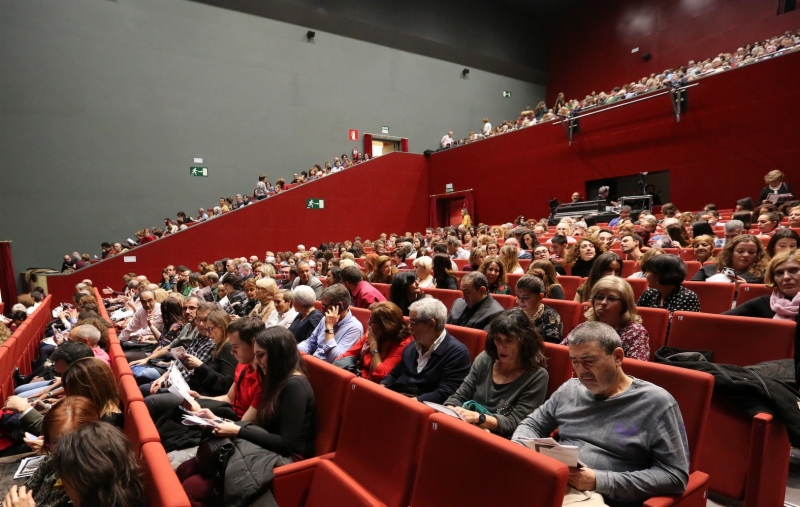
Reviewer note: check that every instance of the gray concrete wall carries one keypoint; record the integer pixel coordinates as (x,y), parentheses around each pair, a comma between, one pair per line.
(104,104)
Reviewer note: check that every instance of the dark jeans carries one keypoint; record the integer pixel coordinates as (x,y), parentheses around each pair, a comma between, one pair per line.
(160,403)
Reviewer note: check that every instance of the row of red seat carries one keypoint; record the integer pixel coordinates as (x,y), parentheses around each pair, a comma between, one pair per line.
(23,346)
(161,483)
(392,451)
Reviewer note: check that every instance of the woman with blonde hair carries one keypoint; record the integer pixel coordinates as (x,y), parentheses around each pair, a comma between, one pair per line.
(266,288)
(424,267)
(783,277)
(546,271)
(612,303)
(775,186)
(508,258)
(703,247)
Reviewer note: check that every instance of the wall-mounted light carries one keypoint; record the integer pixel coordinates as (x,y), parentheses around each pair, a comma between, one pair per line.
(310,35)
(464,73)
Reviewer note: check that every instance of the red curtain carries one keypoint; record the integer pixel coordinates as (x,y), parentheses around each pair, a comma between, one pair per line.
(8,284)
(404,145)
(469,204)
(368,145)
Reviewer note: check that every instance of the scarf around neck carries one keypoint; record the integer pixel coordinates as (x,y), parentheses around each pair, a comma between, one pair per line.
(785,309)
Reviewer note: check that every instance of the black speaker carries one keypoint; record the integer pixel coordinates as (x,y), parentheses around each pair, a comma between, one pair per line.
(310,34)
(646,57)
(428,153)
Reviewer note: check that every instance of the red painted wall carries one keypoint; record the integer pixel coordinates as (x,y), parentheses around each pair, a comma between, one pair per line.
(740,125)
(589,48)
(388,194)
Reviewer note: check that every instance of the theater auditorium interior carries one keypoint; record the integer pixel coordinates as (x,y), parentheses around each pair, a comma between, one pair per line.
(324,253)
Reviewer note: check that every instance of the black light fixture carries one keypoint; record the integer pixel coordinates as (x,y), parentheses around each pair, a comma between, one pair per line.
(464,73)
(310,35)
(646,57)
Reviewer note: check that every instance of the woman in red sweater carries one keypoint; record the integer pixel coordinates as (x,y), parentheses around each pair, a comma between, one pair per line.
(381,347)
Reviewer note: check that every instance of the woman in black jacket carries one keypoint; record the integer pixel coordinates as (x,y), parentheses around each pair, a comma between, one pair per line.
(776,186)
(285,423)
(442,274)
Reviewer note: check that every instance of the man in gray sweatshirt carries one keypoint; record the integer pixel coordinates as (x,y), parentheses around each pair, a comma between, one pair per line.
(629,432)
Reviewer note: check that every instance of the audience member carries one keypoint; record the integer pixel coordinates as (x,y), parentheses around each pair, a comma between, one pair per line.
(404,291)
(424,268)
(304,277)
(665,275)
(547,322)
(623,466)
(784,240)
(362,293)
(443,276)
(435,364)
(495,274)
(582,255)
(607,264)
(376,353)
(741,261)
(308,317)
(284,313)
(477,307)
(338,331)
(508,380)
(776,187)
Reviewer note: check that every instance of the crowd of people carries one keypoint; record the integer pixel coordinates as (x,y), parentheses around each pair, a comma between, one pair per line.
(234,330)
(673,77)
(263,190)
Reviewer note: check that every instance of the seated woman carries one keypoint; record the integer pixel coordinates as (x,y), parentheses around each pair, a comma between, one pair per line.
(741,261)
(384,271)
(651,252)
(250,290)
(664,275)
(508,380)
(442,274)
(508,258)
(285,417)
(308,317)
(424,268)
(607,264)
(703,247)
(97,466)
(768,223)
(674,237)
(211,374)
(746,217)
(370,260)
(266,288)
(381,347)
(582,255)
(784,240)
(794,216)
(541,252)
(547,321)
(476,258)
(65,417)
(495,273)
(404,291)
(783,276)
(612,303)
(546,271)
(528,241)
(492,249)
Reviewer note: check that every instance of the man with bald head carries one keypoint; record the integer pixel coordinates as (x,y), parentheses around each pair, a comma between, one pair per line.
(89,335)
(145,319)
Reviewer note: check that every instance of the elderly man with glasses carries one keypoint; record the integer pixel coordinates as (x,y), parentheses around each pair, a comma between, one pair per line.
(338,331)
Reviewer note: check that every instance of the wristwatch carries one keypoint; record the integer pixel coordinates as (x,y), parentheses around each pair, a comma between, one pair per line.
(373,352)
(481,419)
(329,331)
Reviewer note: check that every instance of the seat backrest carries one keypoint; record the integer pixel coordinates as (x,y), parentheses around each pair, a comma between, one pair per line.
(395,421)
(656,321)
(639,285)
(460,263)
(559,367)
(129,391)
(383,288)
(472,458)
(473,339)
(570,285)
(331,482)
(692,267)
(162,487)
(628,268)
(120,367)
(570,312)
(748,291)
(512,282)
(448,297)
(742,341)
(691,389)
(139,426)
(507,301)
(362,314)
(714,297)
(525,264)
(331,386)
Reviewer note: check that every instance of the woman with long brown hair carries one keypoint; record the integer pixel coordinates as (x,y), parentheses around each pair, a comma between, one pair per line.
(546,271)
(384,271)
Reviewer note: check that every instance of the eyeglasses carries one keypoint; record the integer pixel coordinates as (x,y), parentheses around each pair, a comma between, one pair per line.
(611,299)
(413,322)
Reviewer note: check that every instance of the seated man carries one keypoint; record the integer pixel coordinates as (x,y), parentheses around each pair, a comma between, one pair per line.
(521,254)
(90,335)
(455,250)
(477,307)
(147,316)
(363,293)
(629,432)
(434,364)
(304,277)
(338,331)
(624,214)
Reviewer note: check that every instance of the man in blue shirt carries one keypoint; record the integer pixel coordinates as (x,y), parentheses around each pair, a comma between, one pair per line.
(338,331)
(624,214)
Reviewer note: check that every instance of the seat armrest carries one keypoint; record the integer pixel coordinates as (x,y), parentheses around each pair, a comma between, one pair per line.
(695,495)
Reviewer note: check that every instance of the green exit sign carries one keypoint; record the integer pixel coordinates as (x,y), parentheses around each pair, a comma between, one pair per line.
(506,94)
(315,203)
(198,171)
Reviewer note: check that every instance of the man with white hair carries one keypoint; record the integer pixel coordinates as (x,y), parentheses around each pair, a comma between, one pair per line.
(145,319)
(434,364)
(253,258)
(455,250)
(304,277)
(245,270)
(301,248)
(732,229)
(89,335)
(603,195)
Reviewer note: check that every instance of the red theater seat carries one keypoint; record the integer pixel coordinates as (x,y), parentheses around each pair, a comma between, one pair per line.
(129,390)
(448,297)
(714,297)
(570,285)
(506,301)
(656,321)
(139,427)
(332,487)
(748,291)
(639,285)
(473,339)
(362,314)
(482,469)
(331,386)
(559,366)
(383,288)
(162,487)
(570,313)
(733,340)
